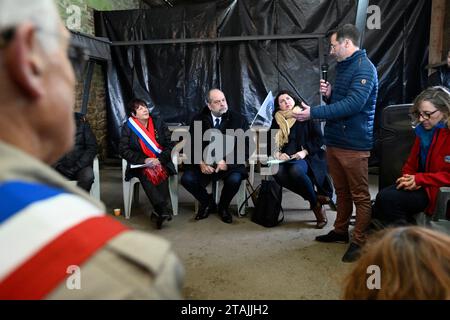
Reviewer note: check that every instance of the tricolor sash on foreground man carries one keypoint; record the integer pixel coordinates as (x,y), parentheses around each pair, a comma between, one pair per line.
(44,230)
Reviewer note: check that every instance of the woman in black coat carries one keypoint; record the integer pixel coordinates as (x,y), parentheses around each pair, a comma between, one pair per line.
(301,143)
(146,140)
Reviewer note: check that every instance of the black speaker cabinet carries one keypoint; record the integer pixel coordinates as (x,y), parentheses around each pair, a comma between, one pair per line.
(396,140)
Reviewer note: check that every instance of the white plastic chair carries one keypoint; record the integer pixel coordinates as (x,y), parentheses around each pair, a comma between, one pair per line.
(438,220)
(95,189)
(129,195)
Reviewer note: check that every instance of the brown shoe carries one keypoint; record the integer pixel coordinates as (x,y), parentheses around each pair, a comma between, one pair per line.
(321,216)
(323,199)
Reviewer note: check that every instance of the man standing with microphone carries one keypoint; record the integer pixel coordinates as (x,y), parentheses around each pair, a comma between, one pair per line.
(349,115)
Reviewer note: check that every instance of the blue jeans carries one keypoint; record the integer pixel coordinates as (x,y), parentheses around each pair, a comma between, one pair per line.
(293,175)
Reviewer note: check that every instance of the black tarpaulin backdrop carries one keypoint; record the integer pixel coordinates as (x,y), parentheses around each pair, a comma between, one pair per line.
(173,78)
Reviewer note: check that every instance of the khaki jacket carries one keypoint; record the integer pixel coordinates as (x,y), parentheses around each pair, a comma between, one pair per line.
(133,265)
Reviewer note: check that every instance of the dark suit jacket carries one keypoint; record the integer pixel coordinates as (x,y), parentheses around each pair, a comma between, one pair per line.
(130,149)
(83,152)
(308,135)
(230,120)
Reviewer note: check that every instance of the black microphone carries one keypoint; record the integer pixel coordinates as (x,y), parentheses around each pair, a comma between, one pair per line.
(325,72)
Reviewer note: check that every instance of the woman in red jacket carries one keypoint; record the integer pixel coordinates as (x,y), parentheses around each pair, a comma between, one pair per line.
(428,165)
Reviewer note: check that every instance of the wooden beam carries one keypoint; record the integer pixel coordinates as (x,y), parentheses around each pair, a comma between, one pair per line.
(436,31)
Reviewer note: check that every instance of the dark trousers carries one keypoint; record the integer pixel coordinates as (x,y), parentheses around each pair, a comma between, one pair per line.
(397,207)
(84,178)
(195,182)
(293,175)
(158,195)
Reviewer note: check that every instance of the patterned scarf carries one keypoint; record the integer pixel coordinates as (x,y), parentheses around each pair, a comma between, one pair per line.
(150,147)
(285,121)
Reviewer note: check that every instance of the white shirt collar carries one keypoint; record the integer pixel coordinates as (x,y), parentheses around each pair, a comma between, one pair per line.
(214,119)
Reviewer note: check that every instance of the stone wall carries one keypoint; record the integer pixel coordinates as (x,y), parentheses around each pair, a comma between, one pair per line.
(74,11)
(96,110)
(78,16)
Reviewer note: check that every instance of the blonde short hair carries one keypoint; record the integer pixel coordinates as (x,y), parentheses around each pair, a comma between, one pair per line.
(438,96)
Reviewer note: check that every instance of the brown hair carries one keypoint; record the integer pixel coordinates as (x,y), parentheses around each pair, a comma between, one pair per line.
(414,263)
(347,31)
(134,104)
(439,96)
(297,101)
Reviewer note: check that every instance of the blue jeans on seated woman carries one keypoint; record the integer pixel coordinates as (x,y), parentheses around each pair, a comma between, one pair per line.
(293,175)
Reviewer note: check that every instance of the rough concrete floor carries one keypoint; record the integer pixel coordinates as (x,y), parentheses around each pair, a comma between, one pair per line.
(244,260)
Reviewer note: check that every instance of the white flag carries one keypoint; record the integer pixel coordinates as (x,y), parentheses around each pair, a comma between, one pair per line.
(264,116)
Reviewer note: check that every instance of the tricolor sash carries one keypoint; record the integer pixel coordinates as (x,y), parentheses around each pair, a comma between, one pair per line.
(147,138)
(43,231)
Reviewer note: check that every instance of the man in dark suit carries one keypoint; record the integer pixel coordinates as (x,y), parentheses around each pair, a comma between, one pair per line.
(200,173)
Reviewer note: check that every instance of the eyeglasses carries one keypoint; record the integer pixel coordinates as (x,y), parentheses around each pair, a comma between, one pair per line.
(425,115)
(76,52)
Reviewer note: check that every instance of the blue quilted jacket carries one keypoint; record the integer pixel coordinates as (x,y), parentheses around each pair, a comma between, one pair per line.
(349,115)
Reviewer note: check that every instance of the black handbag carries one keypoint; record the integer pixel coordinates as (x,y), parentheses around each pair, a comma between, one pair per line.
(268,211)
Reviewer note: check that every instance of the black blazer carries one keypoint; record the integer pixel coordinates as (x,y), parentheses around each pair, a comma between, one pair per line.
(308,135)
(230,120)
(130,149)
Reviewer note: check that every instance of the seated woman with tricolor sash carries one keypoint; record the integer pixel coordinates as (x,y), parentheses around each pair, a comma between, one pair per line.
(146,140)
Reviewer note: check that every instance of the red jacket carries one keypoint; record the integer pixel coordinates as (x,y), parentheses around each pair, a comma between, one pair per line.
(437,167)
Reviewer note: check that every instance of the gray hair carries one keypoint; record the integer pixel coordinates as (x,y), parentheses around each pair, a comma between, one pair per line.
(438,96)
(208,95)
(42,13)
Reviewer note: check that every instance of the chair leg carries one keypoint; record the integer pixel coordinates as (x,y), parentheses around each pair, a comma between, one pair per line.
(127,198)
(252,174)
(441,204)
(196,206)
(95,189)
(215,191)
(240,198)
(130,195)
(173,189)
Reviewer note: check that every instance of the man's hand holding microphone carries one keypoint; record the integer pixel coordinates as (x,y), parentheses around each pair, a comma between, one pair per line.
(325,86)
